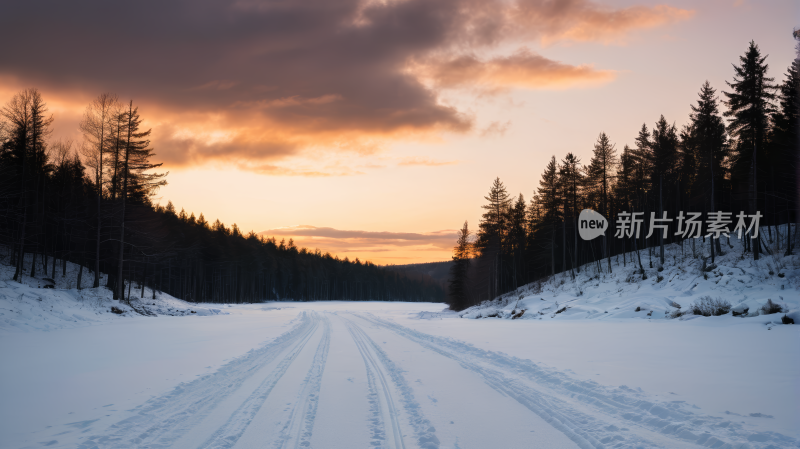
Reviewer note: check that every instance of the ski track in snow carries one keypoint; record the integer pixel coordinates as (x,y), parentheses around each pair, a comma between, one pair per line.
(300,425)
(163,420)
(382,403)
(592,415)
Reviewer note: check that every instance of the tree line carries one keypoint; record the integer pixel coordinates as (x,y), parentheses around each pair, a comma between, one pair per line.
(91,203)
(742,159)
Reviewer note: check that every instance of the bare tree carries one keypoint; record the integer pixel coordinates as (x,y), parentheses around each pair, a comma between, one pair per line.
(25,115)
(96,125)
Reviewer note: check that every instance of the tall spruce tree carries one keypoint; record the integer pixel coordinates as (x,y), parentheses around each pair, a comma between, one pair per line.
(457,284)
(573,183)
(624,189)
(517,240)
(749,108)
(493,230)
(664,146)
(550,200)
(601,170)
(138,184)
(709,139)
(785,141)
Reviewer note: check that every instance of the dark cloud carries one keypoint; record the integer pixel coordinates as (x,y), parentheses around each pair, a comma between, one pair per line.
(251,80)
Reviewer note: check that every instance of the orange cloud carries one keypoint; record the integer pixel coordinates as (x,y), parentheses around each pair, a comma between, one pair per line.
(378,247)
(276,170)
(586,21)
(423,161)
(523,69)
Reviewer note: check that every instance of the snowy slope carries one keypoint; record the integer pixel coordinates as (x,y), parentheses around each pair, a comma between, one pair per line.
(28,305)
(596,294)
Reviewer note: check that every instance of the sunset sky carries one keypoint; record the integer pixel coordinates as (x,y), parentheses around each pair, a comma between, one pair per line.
(373,129)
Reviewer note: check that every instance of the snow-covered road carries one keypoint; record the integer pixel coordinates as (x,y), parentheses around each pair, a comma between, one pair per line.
(349,375)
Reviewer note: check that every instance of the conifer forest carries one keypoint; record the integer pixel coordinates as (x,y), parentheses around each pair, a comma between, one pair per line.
(737,152)
(91,203)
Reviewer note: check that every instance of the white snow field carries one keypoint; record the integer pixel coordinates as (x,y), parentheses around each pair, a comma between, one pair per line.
(410,375)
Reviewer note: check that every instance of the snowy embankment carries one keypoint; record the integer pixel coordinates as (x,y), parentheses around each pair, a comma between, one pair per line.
(760,291)
(391,375)
(47,303)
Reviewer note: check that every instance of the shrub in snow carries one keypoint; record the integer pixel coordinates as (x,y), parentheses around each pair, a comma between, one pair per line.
(770,307)
(675,304)
(116,310)
(706,306)
(786,320)
(678,313)
(638,309)
(740,310)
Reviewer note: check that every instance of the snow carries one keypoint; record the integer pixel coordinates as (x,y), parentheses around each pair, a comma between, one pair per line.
(664,292)
(413,375)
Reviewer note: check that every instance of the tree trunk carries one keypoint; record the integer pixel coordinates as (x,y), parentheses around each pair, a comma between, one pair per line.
(754,199)
(80,275)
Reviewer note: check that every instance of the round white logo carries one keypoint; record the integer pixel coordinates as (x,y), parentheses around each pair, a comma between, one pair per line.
(591,224)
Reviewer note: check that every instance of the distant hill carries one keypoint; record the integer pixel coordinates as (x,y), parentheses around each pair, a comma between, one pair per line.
(437,271)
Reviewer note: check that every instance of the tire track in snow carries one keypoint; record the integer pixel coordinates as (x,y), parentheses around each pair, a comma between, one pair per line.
(229,433)
(300,425)
(662,424)
(382,410)
(164,419)
(381,397)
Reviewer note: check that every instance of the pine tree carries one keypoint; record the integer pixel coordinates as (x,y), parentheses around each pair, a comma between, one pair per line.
(624,188)
(137,184)
(749,109)
(601,171)
(492,232)
(550,200)
(664,146)
(517,240)
(643,161)
(457,291)
(495,219)
(709,140)
(785,157)
(572,186)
